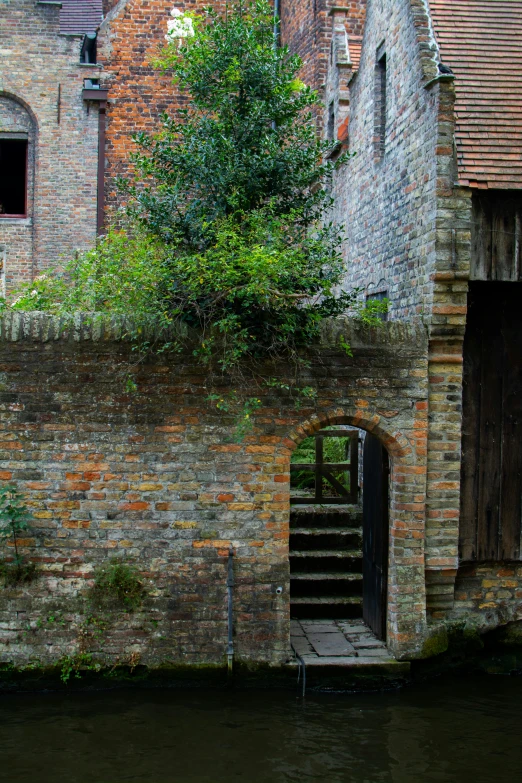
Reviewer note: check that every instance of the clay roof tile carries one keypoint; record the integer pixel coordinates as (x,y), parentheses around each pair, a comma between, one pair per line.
(78,17)
(481,40)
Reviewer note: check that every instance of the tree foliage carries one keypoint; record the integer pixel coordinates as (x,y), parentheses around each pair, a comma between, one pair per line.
(229,233)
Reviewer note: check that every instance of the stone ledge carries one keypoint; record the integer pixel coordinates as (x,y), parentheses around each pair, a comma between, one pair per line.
(39,327)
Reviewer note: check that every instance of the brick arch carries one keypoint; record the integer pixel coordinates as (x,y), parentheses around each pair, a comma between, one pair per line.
(24,105)
(395,442)
(406,623)
(22,119)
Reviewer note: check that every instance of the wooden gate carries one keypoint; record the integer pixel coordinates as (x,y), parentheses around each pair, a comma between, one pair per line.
(327,474)
(375,535)
(491,488)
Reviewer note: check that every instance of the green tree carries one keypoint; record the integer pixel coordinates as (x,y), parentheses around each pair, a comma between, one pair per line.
(230,238)
(236,187)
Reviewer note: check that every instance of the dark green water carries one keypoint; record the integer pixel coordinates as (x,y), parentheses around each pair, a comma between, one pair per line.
(446,730)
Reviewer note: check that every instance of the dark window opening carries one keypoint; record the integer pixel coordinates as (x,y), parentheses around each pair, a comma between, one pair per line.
(380,107)
(379,296)
(13,177)
(331,122)
(88,52)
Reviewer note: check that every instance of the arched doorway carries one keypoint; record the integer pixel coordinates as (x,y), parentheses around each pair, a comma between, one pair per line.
(339,528)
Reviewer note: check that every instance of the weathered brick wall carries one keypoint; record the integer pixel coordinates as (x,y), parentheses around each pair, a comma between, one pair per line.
(388,206)
(154,477)
(130,37)
(62,155)
(408,231)
(490,592)
(304,29)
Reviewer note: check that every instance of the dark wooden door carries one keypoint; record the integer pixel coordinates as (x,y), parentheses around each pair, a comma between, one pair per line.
(491,487)
(375,534)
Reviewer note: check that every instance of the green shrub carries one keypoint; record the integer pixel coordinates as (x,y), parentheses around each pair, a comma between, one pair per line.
(117,584)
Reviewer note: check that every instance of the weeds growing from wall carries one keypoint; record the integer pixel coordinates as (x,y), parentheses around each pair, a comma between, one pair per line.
(14,521)
(117,585)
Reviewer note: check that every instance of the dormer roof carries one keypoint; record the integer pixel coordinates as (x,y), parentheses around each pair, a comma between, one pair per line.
(78,17)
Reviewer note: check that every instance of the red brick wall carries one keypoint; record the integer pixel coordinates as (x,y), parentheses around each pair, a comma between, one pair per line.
(129,40)
(153,476)
(303,30)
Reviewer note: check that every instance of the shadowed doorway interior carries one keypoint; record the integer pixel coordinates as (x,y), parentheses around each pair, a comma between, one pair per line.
(339,528)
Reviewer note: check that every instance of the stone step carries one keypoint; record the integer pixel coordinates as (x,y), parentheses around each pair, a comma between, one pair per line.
(331,600)
(326,531)
(325,538)
(321,576)
(333,516)
(326,607)
(328,561)
(326,586)
(317,553)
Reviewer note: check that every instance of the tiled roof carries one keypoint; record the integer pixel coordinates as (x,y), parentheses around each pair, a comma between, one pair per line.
(78,17)
(481,40)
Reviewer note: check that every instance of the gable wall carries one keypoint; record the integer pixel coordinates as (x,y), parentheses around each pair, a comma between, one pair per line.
(389,206)
(129,39)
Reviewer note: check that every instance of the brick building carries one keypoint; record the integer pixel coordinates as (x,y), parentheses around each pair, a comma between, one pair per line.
(428,203)
(431,203)
(49,128)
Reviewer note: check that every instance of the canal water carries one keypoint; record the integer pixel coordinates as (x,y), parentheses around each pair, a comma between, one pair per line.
(452,730)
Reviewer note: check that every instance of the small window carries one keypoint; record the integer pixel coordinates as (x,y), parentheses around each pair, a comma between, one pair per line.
(380,107)
(88,50)
(330,130)
(13,177)
(379,296)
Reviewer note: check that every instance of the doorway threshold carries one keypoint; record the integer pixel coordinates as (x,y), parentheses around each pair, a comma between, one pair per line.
(340,643)
(344,655)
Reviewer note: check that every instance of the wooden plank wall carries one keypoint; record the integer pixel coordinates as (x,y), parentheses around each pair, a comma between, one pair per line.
(491,488)
(496,239)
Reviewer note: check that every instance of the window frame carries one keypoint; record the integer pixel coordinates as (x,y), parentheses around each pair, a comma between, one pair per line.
(5,136)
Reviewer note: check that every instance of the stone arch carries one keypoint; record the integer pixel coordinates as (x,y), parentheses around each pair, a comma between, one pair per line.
(406,624)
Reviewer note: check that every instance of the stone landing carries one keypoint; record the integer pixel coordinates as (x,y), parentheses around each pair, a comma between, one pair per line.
(345,654)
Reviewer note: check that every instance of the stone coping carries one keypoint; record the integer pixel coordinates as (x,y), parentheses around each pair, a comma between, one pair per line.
(40,327)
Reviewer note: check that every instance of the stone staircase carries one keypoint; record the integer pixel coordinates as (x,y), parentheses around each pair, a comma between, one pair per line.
(326,562)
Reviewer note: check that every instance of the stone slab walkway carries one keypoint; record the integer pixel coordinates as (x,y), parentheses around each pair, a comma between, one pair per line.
(337,642)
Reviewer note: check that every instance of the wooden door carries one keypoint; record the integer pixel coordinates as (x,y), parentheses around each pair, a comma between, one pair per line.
(491,486)
(375,535)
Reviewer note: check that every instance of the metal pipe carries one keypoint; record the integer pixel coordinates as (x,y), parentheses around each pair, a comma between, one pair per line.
(277,24)
(100,209)
(302,666)
(230,586)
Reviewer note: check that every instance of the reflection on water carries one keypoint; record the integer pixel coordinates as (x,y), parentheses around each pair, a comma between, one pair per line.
(449,730)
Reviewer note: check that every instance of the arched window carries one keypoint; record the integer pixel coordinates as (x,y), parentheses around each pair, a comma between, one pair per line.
(17,150)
